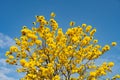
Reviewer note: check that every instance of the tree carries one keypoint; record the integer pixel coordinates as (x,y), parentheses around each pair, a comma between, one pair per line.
(45,52)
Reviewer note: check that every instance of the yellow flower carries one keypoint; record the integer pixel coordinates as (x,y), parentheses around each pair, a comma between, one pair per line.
(32,36)
(38,42)
(31,75)
(39,18)
(113,43)
(84,25)
(57,77)
(34,23)
(53,24)
(103,72)
(52,14)
(92,32)
(52,20)
(24,31)
(95,41)
(24,38)
(74,39)
(18,70)
(8,53)
(24,27)
(40,60)
(107,47)
(50,65)
(74,71)
(70,47)
(88,28)
(17,41)
(72,23)
(93,74)
(11,57)
(87,38)
(23,55)
(93,78)
(111,64)
(13,49)
(7,60)
(117,76)
(22,62)
(43,22)
(60,33)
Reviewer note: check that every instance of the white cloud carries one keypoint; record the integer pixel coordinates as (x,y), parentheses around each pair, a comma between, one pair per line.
(3,73)
(2,62)
(5,70)
(5,41)
(8,72)
(4,77)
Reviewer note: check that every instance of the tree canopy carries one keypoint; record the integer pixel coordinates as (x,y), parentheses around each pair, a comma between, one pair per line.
(45,52)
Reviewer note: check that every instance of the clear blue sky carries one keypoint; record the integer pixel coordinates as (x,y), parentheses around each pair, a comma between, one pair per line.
(104,15)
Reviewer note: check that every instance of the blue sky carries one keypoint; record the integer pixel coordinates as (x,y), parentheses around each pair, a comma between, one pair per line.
(104,15)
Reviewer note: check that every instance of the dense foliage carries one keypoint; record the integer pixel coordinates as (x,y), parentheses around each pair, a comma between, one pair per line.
(45,52)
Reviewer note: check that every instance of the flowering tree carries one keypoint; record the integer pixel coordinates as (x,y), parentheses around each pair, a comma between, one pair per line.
(45,52)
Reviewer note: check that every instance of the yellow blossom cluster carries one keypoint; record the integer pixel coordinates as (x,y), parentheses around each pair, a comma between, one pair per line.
(101,71)
(45,52)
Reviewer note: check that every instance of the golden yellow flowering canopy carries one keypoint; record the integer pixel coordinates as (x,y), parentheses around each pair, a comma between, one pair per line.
(45,52)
